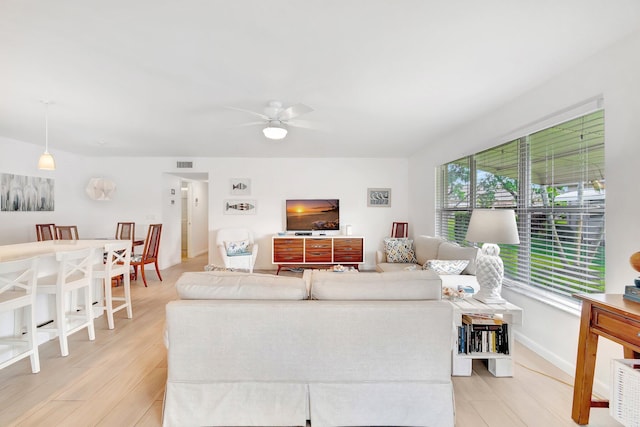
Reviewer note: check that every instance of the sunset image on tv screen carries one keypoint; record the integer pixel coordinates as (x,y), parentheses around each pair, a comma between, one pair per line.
(313,214)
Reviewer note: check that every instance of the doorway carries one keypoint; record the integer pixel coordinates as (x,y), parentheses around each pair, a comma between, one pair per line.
(190,222)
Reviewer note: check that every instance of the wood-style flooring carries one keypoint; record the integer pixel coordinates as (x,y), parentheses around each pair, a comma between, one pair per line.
(118,379)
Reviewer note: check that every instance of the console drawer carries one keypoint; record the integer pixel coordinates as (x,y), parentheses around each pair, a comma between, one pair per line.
(288,250)
(348,250)
(617,326)
(317,250)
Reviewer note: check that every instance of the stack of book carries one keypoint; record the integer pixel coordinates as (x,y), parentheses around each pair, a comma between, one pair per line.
(632,293)
(483,333)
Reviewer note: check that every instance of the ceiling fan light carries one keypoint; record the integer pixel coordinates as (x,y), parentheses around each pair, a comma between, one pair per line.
(274,131)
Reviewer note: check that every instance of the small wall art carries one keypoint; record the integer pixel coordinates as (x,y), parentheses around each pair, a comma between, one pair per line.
(240,207)
(240,186)
(26,193)
(379,197)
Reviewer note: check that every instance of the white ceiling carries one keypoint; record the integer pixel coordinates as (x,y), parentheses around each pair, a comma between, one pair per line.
(153,78)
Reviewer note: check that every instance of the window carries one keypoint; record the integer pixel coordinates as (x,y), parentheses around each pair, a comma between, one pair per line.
(554,180)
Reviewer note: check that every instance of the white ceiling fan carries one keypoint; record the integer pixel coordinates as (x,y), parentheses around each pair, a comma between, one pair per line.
(276,118)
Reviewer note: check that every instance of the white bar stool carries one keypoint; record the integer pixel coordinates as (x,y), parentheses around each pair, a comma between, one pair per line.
(75,272)
(18,294)
(117,263)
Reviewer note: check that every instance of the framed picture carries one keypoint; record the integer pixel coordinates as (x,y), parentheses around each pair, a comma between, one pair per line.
(240,186)
(240,207)
(379,197)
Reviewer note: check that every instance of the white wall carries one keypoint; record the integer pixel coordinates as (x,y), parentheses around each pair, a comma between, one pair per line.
(143,196)
(275,180)
(199,217)
(612,73)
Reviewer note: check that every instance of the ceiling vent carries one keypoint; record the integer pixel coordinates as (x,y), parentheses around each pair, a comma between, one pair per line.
(184,165)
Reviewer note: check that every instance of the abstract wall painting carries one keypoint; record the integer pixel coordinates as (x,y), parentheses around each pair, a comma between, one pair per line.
(20,193)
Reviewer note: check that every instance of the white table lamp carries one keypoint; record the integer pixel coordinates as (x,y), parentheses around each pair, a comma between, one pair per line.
(491,226)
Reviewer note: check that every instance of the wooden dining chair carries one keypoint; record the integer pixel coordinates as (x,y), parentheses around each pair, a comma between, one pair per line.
(149,254)
(400,229)
(66,232)
(126,231)
(45,232)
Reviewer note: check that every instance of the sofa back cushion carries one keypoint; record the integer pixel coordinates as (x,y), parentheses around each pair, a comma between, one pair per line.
(396,285)
(448,250)
(426,248)
(239,286)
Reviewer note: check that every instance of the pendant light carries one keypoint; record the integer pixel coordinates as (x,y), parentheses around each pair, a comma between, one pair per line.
(46,161)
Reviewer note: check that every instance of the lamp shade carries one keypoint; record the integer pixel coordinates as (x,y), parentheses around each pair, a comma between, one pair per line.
(275,130)
(493,226)
(46,162)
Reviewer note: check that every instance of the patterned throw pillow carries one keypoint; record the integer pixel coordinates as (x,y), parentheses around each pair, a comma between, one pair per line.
(237,248)
(399,250)
(446,266)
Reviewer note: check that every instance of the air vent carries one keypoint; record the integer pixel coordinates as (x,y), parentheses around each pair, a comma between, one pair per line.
(184,165)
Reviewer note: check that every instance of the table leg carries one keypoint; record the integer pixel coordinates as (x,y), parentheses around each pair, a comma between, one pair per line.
(585,367)
(629,353)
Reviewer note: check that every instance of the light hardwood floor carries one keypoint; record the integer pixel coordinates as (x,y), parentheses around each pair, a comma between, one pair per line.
(118,379)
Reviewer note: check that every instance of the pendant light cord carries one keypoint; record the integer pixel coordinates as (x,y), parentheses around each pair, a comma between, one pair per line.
(46,127)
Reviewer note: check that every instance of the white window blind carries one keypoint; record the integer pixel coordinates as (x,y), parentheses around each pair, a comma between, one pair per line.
(554,179)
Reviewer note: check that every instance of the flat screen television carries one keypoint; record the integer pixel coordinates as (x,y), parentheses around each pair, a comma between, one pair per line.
(313,214)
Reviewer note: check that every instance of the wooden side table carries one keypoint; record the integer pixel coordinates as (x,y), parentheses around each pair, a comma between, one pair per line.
(500,365)
(612,317)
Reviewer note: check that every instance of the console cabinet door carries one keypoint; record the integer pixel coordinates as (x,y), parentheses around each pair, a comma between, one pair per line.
(348,250)
(317,250)
(288,250)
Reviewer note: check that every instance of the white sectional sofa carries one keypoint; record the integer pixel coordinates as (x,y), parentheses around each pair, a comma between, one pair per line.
(426,248)
(253,350)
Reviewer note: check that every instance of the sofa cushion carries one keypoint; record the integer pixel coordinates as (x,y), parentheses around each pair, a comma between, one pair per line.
(399,250)
(442,266)
(384,267)
(426,248)
(239,286)
(395,285)
(448,250)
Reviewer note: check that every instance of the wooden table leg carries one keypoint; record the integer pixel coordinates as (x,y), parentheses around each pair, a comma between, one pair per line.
(585,367)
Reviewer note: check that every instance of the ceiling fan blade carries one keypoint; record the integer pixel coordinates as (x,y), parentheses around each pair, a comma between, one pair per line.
(294,111)
(252,124)
(262,116)
(305,124)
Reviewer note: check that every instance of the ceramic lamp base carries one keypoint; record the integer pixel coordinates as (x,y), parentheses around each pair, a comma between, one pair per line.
(489,272)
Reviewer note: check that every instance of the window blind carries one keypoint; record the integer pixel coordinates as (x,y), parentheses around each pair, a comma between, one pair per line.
(554,179)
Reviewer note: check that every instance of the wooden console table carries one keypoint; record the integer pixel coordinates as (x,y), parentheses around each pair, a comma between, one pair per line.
(612,317)
(317,251)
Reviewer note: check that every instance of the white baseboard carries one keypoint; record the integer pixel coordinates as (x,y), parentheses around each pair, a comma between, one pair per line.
(599,387)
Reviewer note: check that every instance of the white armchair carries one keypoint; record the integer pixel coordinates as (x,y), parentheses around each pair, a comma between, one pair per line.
(237,248)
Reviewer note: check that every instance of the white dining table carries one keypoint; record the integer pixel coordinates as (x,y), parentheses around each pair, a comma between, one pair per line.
(47,248)
(47,265)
